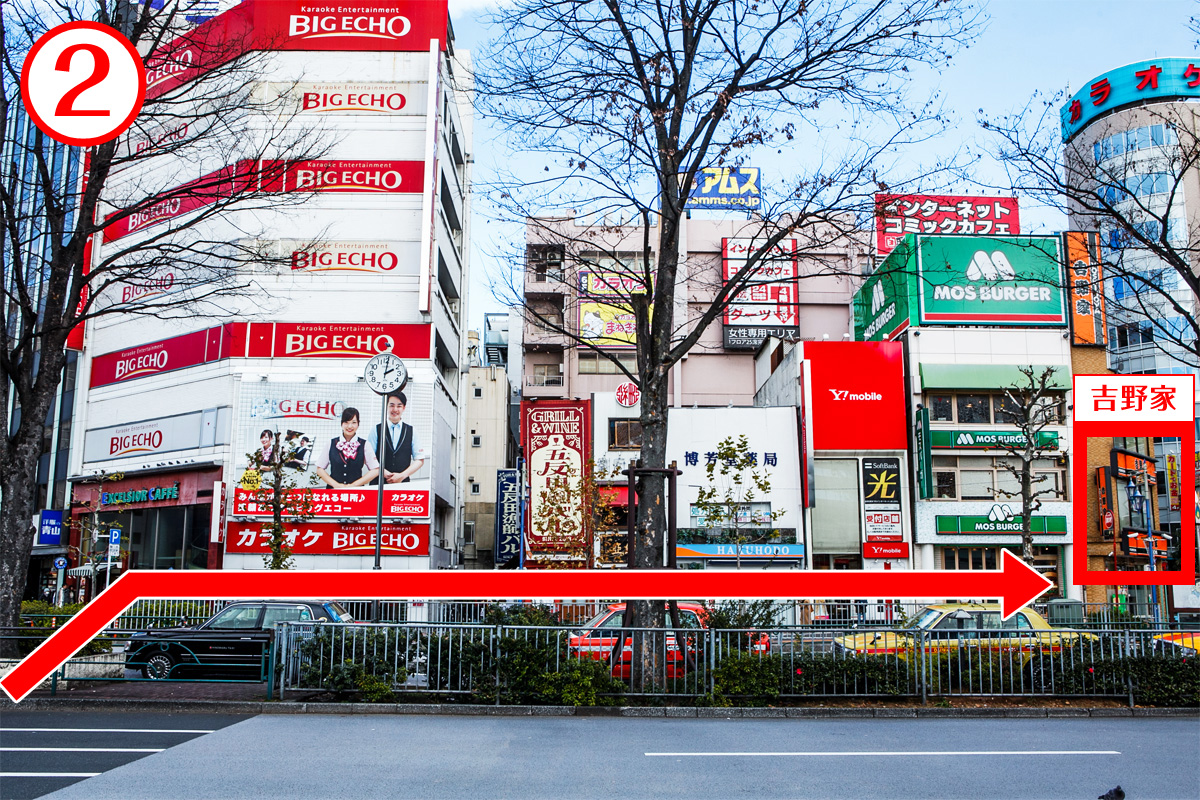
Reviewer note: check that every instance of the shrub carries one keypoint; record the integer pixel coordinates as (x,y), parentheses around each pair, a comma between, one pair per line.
(581,682)
(751,679)
(38,617)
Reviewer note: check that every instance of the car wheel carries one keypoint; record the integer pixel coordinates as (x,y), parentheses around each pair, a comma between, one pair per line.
(158,666)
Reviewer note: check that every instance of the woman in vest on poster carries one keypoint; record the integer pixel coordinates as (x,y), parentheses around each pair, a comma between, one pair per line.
(400,457)
(342,465)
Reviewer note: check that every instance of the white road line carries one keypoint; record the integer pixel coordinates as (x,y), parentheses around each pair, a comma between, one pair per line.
(81,749)
(48,774)
(103,730)
(907,753)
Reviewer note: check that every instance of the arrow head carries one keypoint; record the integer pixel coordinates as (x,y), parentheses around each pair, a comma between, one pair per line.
(1021,584)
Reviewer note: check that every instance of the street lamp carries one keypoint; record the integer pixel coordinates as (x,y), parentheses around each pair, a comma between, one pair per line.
(1135,498)
(1150,535)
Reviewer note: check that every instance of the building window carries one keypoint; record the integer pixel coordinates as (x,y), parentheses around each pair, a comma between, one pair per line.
(474,487)
(478,391)
(836,516)
(596,364)
(958,558)
(547,375)
(469,533)
(624,434)
(987,478)
(546,263)
(978,408)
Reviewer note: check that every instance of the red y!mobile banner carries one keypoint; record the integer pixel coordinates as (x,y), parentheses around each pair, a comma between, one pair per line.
(351,25)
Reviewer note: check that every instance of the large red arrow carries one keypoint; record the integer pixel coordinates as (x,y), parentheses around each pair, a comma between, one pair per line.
(1016,584)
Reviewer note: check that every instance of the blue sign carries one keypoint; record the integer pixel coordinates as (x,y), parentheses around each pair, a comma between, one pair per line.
(114,536)
(50,527)
(747,551)
(725,187)
(1161,78)
(60,563)
(508,515)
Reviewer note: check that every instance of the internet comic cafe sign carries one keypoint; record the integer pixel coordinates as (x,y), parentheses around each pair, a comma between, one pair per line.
(147,495)
(988,440)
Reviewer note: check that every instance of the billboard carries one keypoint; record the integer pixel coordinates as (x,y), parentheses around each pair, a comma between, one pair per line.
(928,214)
(612,327)
(351,25)
(1129,85)
(990,281)
(857,395)
(341,258)
(332,539)
(320,451)
(374,99)
(209,428)
(155,358)
(1085,278)
(735,188)
(508,516)
(557,439)
(767,306)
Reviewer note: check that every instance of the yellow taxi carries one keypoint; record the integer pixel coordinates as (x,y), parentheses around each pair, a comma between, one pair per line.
(1181,644)
(949,626)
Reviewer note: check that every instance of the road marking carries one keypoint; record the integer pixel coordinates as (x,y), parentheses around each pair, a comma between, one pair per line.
(909,753)
(81,749)
(104,730)
(48,774)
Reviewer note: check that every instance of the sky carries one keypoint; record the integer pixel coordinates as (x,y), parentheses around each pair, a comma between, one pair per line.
(1027,46)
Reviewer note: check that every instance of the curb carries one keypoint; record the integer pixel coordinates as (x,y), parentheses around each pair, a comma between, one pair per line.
(678,712)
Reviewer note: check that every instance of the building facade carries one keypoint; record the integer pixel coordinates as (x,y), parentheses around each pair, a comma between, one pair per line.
(186,410)
(490,446)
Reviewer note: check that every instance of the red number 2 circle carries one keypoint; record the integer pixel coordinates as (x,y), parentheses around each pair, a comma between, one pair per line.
(83,83)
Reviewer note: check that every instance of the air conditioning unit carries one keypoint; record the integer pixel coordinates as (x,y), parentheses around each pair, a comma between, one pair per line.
(554,257)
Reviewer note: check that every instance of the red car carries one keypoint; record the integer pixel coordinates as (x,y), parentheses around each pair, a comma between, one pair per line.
(598,638)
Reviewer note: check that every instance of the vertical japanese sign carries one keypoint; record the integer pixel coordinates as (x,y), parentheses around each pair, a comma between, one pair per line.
(767,303)
(928,214)
(50,525)
(924,454)
(1173,485)
(1138,406)
(508,516)
(1085,282)
(881,500)
(556,435)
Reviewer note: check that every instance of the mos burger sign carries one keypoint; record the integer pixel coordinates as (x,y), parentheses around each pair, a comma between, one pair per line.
(857,395)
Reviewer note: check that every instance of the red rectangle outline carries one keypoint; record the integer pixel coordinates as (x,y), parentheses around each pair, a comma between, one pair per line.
(1186,575)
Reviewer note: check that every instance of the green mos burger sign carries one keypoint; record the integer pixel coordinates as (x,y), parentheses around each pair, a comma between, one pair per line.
(963,280)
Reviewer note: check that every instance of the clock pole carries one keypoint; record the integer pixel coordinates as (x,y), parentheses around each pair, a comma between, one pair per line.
(384,445)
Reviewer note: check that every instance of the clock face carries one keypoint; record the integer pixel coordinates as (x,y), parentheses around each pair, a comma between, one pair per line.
(385,373)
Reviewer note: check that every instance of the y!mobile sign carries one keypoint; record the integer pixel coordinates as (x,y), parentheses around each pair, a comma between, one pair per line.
(857,395)
(349,25)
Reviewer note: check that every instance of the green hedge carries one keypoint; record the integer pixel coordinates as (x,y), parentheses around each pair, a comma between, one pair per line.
(37,617)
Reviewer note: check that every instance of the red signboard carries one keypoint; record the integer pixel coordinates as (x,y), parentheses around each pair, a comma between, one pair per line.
(885,550)
(359,501)
(332,539)
(246,176)
(857,395)
(262,340)
(557,439)
(350,25)
(151,359)
(941,214)
(769,296)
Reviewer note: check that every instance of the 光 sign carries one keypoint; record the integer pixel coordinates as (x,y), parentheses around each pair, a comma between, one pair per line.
(725,187)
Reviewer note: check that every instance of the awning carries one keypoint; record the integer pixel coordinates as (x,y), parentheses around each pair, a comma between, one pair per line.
(988,376)
(87,570)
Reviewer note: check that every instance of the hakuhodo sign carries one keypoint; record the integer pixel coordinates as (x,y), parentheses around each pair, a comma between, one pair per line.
(963,280)
(988,440)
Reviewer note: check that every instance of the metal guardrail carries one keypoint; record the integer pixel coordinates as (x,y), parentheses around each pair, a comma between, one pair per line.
(502,663)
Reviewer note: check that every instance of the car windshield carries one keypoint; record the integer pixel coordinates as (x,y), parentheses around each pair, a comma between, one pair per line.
(923,620)
(337,613)
(596,620)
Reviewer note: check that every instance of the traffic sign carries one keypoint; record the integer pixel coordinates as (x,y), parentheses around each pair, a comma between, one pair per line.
(60,563)
(1109,521)
(83,83)
(114,543)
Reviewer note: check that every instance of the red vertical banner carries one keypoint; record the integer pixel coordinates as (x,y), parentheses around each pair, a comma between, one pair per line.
(75,337)
(1085,281)
(557,439)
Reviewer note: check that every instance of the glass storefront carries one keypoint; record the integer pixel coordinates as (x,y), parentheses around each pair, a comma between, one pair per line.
(174,537)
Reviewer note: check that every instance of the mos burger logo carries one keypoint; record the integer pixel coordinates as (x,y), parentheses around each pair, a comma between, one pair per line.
(305,27)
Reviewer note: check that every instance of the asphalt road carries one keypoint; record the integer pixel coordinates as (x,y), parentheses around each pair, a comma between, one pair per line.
(44,751)
(368,756)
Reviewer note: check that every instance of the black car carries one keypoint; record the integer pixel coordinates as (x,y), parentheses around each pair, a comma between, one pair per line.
(233,643)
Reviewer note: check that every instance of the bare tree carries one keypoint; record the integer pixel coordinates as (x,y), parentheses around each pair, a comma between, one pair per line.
(274,489)
(627,102)
(1030,406)
(85,232)
(1129,186)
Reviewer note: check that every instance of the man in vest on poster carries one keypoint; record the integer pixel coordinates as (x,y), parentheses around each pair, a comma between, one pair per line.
(400,459)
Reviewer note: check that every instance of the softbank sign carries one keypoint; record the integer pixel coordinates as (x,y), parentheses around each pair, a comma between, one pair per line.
(857,395)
